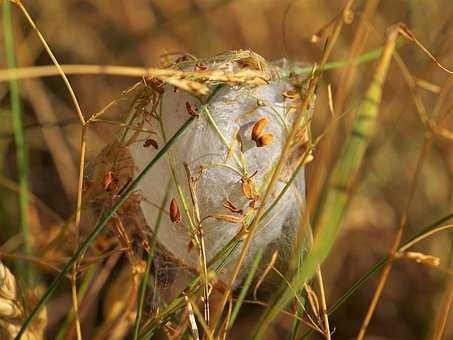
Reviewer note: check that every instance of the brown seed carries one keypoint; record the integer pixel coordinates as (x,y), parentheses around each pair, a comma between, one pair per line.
(156,84)
(231,207)
(290,94)
(129,180)
(175,215)
(251,63)
(247,188)
(150,142)
(200,67)
(264,139)
(190,246)
(182,58)
(109,182)
(191,110)
(258,128)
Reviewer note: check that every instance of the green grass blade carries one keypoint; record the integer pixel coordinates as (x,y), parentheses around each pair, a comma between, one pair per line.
(338,196)
(149,261)
(19,139)
(62,333)
(363,58)
(361,281)
(381,263)
(245,287)
(100,226)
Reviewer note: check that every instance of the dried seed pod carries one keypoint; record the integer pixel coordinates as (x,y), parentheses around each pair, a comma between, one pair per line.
(247,187)
(200,67)
(110,182)
(258,128)
(175,215)
(150,142)
(264,139)
(231,207)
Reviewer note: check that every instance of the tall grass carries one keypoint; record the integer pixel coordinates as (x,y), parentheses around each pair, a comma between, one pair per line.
(19,138)
(338,193)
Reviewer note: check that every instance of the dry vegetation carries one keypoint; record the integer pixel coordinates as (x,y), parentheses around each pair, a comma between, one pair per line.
(395,235)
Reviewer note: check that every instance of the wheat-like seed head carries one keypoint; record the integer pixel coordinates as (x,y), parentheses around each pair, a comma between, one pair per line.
(12,311)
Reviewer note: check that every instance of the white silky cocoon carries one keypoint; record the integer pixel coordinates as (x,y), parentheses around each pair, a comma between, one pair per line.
(234,110)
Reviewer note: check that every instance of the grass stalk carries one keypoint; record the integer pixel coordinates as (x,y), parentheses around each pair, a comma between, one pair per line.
(359,283)
(245,288)
(270,188)
(149,262)
(139,72)
(19,138)
(100,227)
(340,183)
(62,333)
(54,60)
(323,305)
(195,227)
(396,243)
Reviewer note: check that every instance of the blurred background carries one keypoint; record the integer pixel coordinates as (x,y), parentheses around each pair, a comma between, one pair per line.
(137,33)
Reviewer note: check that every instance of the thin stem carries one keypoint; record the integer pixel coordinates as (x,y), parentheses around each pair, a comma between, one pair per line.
(77,218)
(149,261)
(397,241)
(325,315)
(99,228)
(270,188)
(223,139)
(423,234)
(139,72)
(75,303)
(54,60)
(21,146)
(245,288)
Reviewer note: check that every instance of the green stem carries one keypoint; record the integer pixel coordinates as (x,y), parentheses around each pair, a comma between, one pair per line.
(21,146)
(100,227)
(245,287)
(340,184)
(381,263)
(149,261)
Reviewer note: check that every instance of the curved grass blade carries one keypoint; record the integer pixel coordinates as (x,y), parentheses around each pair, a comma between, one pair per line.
(99,227)
(149,261)
(362,280)
(245,288)
(338,196)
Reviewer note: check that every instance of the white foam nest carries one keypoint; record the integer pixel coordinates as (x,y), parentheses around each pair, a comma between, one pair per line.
(206,145)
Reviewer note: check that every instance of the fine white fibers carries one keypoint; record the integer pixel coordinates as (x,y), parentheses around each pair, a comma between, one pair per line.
(219,152)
